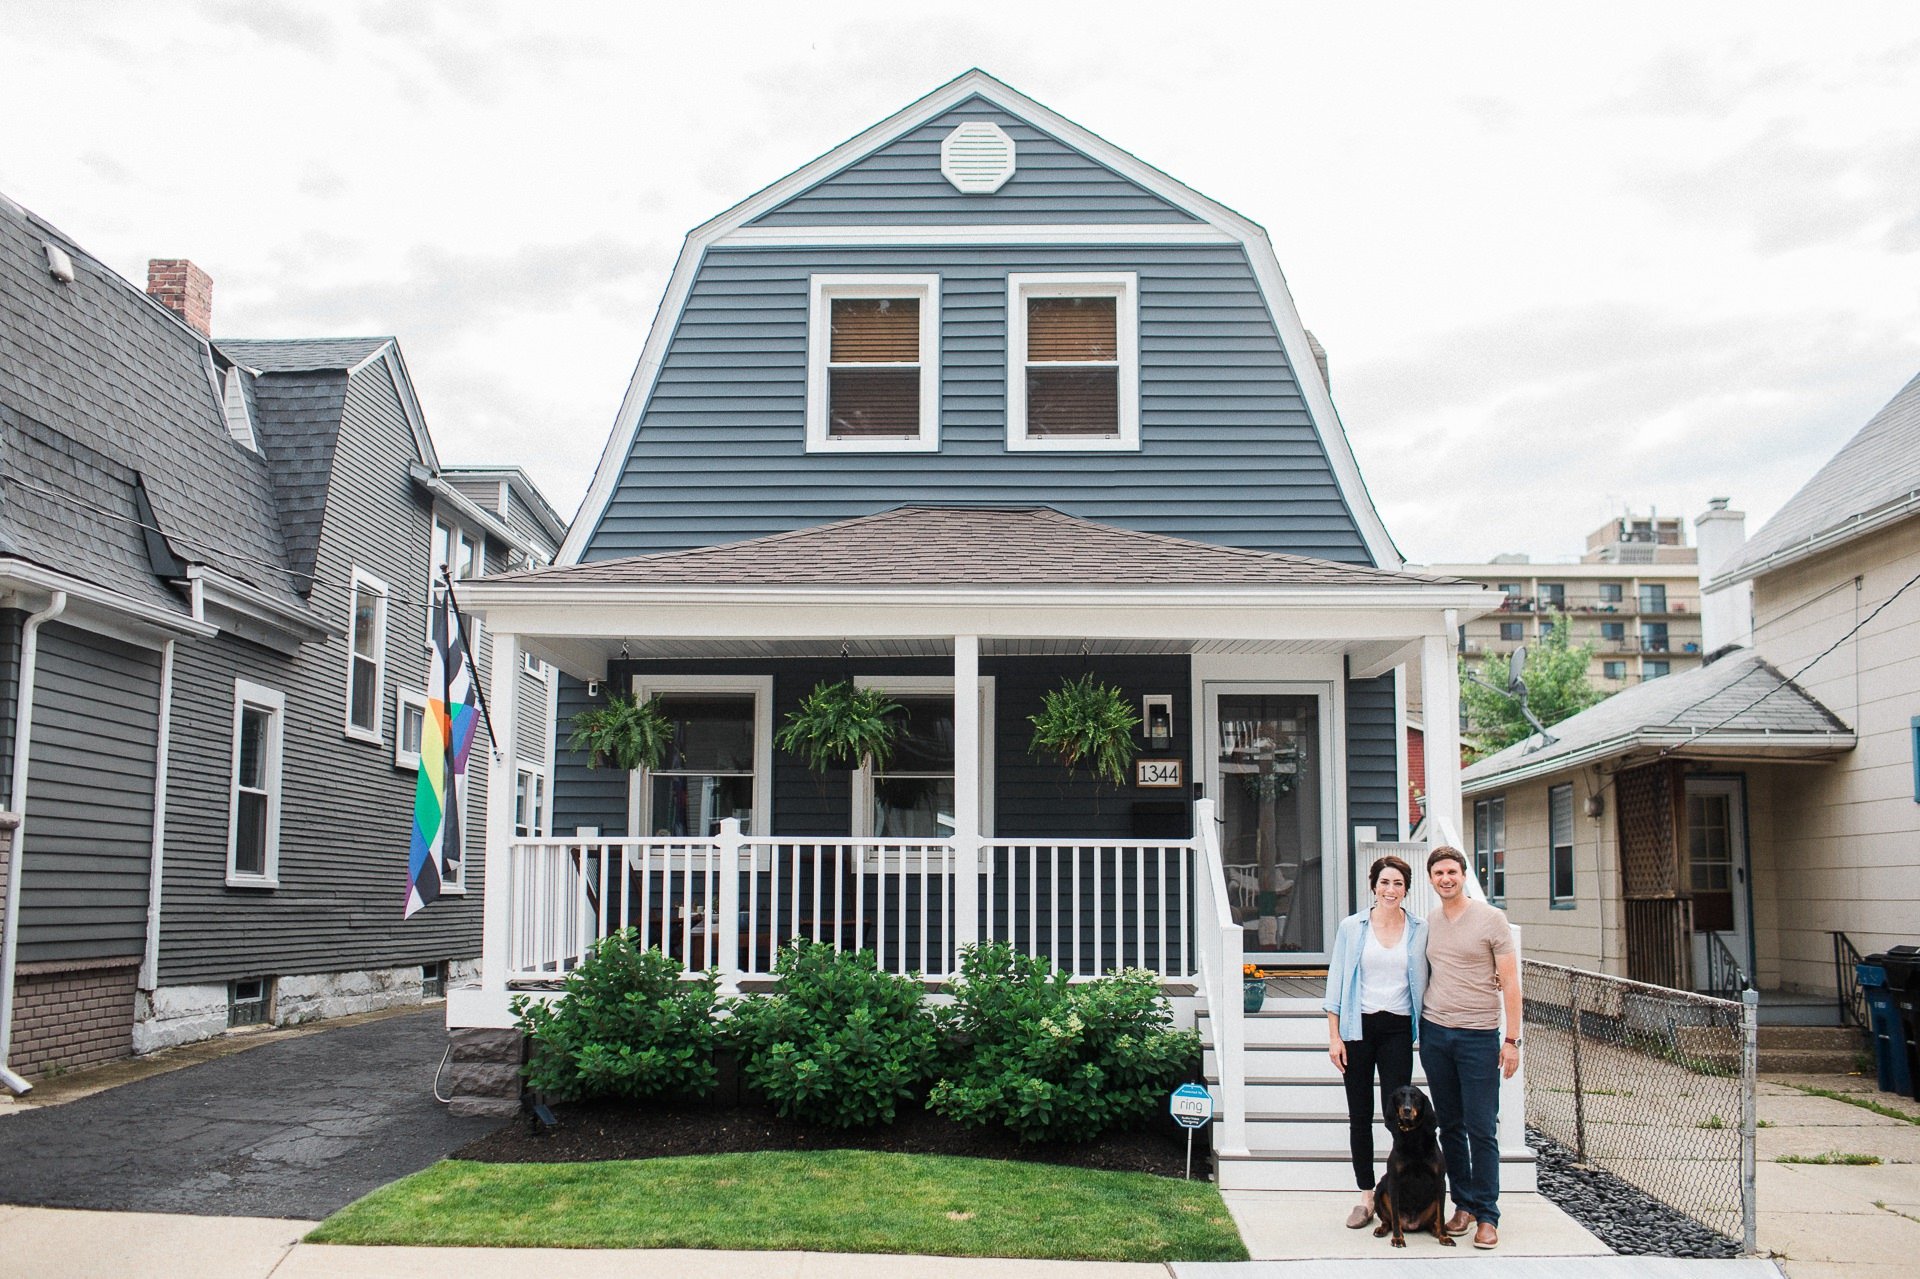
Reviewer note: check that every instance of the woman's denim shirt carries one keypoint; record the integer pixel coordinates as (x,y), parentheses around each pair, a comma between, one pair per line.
(1343,973)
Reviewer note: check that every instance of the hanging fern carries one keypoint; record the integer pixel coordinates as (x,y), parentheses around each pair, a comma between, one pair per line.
(631,734)
(839,725)
(1085,722)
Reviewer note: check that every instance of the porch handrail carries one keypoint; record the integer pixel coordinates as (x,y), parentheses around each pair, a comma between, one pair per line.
(1219,943)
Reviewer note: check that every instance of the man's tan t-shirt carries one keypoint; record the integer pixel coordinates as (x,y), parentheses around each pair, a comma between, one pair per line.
(1462,992)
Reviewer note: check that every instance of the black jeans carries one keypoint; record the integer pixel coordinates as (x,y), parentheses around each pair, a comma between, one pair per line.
(1385,1044)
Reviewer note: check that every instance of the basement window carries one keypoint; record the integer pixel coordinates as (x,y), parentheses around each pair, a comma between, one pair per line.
(433,980)
(247,1002)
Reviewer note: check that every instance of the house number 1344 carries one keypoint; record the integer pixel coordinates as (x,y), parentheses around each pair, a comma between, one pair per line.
(1158,773)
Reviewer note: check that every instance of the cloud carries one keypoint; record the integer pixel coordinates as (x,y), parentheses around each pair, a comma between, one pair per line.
(297,26)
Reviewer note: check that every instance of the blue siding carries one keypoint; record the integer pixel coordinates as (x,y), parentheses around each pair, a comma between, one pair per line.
(1229,451)
(900,184)
(1373,764)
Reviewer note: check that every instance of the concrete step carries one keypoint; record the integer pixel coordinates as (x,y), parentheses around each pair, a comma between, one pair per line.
(1809,1061)
(1830,1038)
(1331,1169)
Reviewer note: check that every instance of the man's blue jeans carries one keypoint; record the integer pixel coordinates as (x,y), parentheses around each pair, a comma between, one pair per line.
(1463,1076)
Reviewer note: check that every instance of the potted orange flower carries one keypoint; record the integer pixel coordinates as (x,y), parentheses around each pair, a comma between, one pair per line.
(1255,996)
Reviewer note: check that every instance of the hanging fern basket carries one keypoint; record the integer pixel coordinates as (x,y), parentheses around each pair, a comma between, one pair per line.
(626,733)
(1087,724)
(839,725)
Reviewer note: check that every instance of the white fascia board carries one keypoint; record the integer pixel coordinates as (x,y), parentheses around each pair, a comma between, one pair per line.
(28,586)
(869,237)
(218,590)
(1266,268)
(470,511)
(409,401)
(1858,526)
(1683,743)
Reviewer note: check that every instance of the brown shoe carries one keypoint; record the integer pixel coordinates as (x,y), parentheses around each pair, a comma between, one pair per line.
(1460,1222)
(1486,1237)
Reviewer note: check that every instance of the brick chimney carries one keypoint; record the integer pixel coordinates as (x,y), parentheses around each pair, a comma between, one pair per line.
(183,289)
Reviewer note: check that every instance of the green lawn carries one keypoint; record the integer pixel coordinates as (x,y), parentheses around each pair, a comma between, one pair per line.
(819,1201)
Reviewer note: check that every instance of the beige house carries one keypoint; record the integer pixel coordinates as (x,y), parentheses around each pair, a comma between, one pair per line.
(1759,816)
(1634,597)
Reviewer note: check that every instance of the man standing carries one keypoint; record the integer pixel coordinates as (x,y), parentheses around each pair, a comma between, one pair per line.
(1475,972)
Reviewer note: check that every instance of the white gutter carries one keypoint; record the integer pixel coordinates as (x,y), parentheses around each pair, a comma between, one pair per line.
(493,525)
(150,960)
(1671,738)
(17,801)
(484,592)
(21,573)
(1855,526)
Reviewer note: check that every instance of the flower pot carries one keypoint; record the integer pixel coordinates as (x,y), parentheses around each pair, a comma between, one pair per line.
(1255,994)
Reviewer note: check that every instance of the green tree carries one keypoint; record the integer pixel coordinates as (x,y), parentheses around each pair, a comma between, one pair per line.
(1557,687)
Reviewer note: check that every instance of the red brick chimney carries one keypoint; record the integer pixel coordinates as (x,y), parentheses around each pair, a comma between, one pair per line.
(183,289)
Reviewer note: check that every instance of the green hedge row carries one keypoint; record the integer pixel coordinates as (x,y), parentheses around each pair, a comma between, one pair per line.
(844,1045)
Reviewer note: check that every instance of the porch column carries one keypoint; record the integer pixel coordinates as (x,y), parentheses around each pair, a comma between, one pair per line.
(966,791)
(496,873)
(1440,694)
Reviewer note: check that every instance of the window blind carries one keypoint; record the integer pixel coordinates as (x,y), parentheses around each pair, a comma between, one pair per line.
(1072,329)
(877,401)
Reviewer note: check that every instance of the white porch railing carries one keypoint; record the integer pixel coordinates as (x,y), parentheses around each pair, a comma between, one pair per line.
(1091,907)
(1219,943)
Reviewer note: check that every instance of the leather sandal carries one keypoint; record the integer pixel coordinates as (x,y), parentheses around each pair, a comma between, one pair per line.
(1460,1222)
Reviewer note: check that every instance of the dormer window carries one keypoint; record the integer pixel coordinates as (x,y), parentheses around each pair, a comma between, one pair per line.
(1073,370)
(873,364)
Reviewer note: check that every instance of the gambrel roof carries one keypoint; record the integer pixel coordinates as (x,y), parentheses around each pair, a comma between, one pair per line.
(1123,202)
(971,546)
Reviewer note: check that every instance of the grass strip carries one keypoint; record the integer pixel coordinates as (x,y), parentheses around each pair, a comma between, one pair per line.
(1855,1099)
(1832,1157)
(816,1201)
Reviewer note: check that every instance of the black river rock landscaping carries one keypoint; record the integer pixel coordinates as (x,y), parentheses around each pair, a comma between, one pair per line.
(1627,1220)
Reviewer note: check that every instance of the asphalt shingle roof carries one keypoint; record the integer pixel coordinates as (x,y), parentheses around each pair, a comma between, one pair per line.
(1879,465)
(972,546)
(1742,693)
(300,355)
(99,383)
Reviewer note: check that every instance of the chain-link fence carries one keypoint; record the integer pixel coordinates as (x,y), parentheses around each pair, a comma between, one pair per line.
(1654,1085)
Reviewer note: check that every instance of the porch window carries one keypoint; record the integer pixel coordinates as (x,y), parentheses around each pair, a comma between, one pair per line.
(1560,847)
(912,796)
(366,656)
(253,810)
(873,363)
(1073,362)
(712,765)
(530,804)
(1490,847)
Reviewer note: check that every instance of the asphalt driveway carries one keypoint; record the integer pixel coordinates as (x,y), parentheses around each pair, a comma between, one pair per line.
(296,1128)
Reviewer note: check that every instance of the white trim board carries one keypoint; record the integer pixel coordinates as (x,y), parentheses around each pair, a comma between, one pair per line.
(1289,329)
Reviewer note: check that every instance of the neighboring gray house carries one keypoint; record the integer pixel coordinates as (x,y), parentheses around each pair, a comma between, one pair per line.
(214,566)
(973,406)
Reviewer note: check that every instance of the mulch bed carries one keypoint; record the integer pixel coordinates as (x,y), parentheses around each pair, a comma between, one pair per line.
(633,1131)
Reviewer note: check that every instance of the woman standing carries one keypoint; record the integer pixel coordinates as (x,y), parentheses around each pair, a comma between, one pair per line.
(1374,985)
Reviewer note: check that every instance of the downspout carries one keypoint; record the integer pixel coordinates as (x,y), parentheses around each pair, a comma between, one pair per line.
(150,960)
(17,801)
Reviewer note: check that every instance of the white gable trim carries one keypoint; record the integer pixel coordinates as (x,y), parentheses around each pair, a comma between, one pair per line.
(1266,267)
(867,237)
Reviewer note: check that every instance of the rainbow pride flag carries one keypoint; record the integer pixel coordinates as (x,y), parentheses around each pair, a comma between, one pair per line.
(445,738)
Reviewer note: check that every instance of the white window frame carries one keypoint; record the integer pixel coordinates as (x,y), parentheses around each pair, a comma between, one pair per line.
(365,581)
(1122,285)
(403,698)
(1489,853)
(822,290)
(259,697)
(923,686)
(761,686)
(457,533)
(539,828)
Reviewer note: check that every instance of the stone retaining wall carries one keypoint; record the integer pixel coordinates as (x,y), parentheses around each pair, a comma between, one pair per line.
(483,1074)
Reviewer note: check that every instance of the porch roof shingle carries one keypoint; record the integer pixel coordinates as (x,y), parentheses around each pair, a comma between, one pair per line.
(971,546)
(1741,694)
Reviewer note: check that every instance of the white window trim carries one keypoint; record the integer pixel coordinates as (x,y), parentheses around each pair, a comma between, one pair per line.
(272,700)
(761,686)
(542,821)
(1123,285)
(822,290)
(922,685)
(365,581)
(455,532)
(403,698)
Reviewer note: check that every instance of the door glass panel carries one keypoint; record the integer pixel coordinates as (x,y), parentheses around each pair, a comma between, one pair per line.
(1269,803)
(1710,861)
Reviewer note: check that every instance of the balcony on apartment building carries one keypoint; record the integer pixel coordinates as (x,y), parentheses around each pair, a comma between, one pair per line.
(1647,601)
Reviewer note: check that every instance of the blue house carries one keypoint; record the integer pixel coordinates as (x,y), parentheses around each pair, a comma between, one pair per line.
(975,405)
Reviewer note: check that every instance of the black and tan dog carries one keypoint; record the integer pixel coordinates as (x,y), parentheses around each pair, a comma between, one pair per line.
(1412,1197)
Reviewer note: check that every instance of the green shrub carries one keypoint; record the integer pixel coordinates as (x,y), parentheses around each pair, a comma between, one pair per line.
(626,1025)
(841,1044)
(1052,1061)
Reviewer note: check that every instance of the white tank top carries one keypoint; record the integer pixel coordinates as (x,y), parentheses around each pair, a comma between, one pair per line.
(1383,976)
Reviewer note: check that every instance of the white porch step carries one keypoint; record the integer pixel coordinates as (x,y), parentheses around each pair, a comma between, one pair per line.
(1277,1027)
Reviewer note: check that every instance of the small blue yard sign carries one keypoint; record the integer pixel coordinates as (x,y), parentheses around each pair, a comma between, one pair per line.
(1191,1106)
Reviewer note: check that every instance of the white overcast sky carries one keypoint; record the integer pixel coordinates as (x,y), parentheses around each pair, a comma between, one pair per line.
(1566,258)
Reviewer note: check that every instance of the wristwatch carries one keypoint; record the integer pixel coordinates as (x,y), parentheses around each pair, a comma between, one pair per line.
(1514,1042)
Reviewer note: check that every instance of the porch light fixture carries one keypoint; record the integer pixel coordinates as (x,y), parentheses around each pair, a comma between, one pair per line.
(1156,713)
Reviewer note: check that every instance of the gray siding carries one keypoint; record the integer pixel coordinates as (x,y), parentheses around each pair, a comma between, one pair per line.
(90,776)
(1229,454)
(347,809)
(900,184)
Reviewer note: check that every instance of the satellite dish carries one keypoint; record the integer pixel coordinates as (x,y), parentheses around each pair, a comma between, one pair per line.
(1517,668)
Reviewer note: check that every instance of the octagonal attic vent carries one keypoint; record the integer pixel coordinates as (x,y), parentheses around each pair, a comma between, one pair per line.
(977,158)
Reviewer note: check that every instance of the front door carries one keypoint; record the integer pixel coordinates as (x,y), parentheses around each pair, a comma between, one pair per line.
(1266,772)
(1716,862)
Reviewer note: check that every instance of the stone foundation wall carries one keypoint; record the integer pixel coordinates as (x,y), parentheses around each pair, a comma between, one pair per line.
(70,1015)
(483,1075)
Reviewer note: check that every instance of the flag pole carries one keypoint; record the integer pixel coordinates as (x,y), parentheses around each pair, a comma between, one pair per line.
(473,658)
